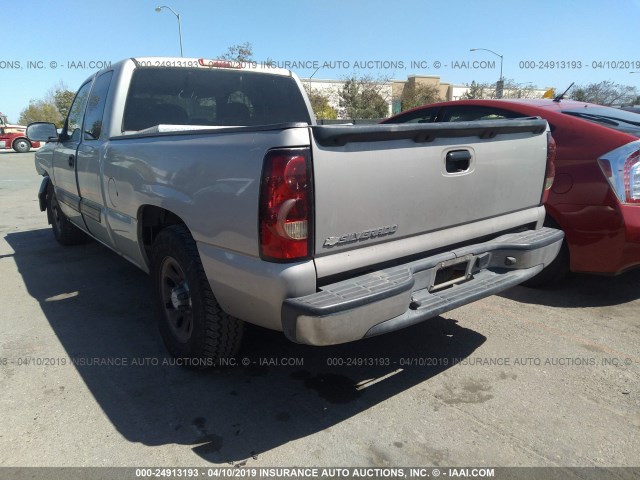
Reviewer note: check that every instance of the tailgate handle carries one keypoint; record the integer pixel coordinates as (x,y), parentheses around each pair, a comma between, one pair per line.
(458,161)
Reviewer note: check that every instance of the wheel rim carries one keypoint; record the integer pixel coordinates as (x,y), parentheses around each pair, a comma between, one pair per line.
(21,145)
(176,300)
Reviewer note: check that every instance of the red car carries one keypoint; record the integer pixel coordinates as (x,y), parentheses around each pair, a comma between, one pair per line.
(595,197)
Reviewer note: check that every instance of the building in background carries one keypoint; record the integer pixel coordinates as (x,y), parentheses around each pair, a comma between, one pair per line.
(445,90)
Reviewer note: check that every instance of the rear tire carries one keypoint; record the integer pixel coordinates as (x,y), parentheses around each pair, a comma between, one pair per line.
(193,327)
(65,232)
(21,145)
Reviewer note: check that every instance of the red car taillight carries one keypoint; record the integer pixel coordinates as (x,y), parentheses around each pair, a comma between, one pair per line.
(550,172)
(621,167)
(632,178)
(285,205)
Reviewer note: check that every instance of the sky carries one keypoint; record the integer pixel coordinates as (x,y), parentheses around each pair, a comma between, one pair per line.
(545,43)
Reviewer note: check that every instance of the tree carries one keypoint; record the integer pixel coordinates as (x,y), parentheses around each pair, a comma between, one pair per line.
(510,89)
(421,94)
(54,107)
(518,90)
(474,91)
(242,52)
(41,111)
(362,98)
(63,99)
(320,105)
(604,93)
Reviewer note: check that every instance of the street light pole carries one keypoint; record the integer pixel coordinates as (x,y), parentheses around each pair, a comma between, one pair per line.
(500,83)
(316,71)
(159,9)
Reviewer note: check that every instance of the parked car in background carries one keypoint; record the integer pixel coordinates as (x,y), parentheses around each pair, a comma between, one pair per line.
(595,197)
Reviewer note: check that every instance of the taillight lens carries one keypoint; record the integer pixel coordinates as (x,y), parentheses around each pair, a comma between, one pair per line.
(621,167)
(550,172)
(632,178)
(285,205)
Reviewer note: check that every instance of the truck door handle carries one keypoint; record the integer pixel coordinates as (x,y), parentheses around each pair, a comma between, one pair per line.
(458,161)
(71,160)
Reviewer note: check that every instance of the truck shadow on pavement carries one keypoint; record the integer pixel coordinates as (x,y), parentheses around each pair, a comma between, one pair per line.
(582,290)
(99,307)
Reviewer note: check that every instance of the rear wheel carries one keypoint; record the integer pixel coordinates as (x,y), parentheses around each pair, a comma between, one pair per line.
(193,326)
(65,232)
(21,145)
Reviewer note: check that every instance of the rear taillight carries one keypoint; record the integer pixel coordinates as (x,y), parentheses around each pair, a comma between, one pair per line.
(632,178)
(550,172)
(285,205)
(621,167)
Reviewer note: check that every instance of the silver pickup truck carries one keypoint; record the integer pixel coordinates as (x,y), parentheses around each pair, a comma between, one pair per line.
(215,179)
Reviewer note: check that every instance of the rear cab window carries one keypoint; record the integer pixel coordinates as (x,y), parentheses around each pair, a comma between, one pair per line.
(211,97)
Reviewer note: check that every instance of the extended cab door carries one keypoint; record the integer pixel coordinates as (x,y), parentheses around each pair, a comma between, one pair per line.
(64,158)
(89,162)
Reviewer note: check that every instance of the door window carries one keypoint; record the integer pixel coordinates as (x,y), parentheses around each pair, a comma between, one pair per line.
(73,125)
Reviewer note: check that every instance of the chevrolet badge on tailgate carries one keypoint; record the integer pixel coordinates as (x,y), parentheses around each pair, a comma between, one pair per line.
(364,235)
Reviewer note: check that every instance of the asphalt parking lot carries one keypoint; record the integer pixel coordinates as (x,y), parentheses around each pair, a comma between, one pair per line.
(527,378)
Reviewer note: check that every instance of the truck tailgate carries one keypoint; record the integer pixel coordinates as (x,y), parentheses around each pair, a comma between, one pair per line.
(379,183)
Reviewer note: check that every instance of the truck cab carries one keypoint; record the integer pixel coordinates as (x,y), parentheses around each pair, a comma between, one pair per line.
(13,136)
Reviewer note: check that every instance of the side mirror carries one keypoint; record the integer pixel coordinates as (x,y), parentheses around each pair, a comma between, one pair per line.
(42,132)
